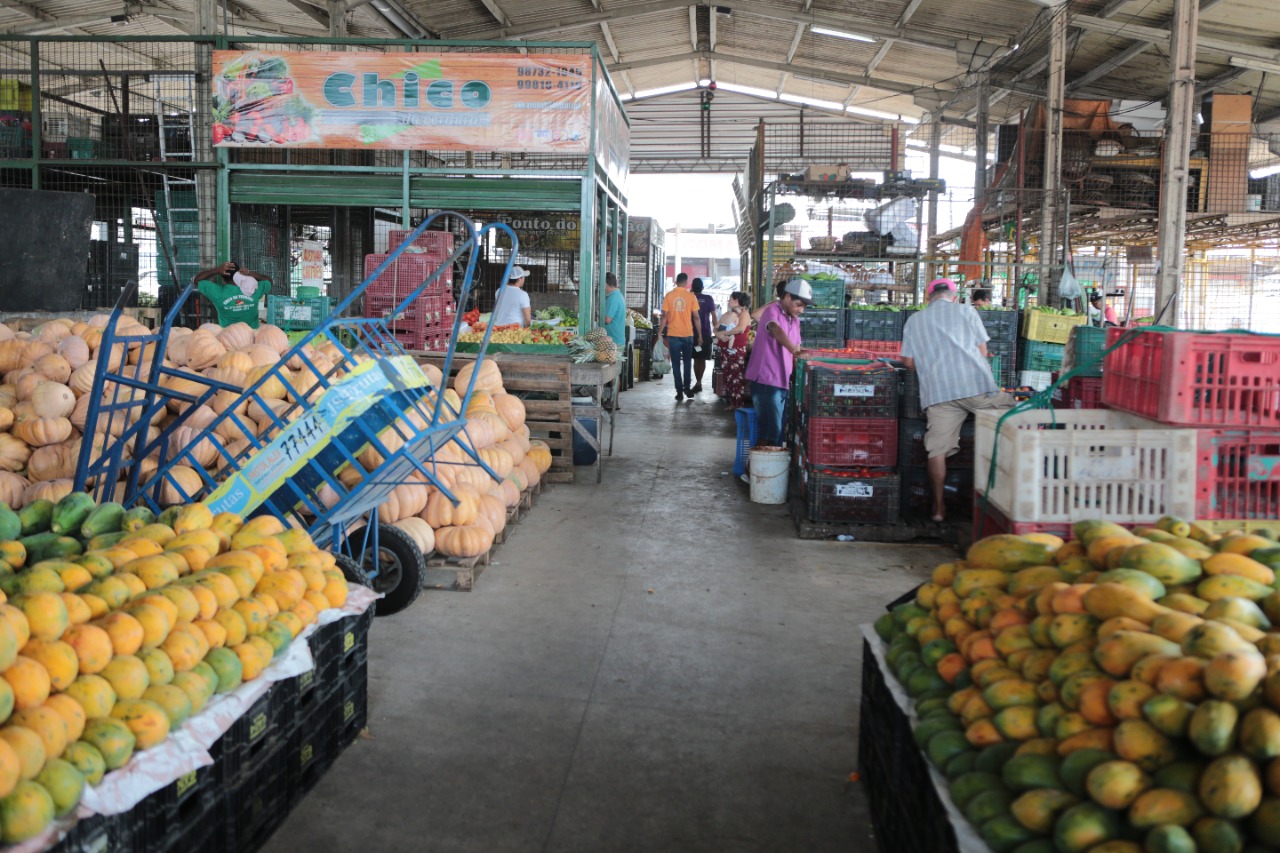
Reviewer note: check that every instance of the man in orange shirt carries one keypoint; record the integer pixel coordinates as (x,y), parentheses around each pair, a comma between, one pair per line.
(680,329)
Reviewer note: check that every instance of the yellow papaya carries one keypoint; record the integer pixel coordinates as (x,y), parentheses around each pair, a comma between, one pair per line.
(1008,553)
(1240,566)
(1108,600)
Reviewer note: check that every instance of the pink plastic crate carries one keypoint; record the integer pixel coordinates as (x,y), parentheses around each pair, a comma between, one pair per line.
(1238,474)
(1079,392)
(405,275)
(1222,379)
(871,442)
(437,242)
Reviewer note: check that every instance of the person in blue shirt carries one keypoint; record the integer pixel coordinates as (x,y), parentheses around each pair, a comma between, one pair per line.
(615,311)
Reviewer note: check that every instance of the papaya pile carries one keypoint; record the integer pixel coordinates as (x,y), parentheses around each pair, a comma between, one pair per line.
(116,625)
(1117,692)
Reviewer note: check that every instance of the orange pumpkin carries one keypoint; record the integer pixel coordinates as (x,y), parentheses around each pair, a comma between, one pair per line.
(489,378)
(441,512)
(540,454)
(511,408)
(468,540)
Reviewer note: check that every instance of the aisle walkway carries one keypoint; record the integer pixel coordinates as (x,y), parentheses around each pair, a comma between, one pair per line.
(653,664)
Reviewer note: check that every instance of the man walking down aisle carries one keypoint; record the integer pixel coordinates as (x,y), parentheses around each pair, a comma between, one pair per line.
(946,344)
(681,329)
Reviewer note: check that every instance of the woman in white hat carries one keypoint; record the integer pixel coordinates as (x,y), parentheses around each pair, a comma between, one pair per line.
(513,302)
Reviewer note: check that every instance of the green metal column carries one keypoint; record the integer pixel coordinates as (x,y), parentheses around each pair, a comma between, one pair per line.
(223,194)
(405,203)
(602,228)
(586,249)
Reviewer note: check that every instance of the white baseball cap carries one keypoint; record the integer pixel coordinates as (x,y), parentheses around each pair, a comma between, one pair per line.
(517,272)
(800,289)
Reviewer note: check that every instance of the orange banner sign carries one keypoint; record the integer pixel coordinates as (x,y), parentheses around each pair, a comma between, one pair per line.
(402,101)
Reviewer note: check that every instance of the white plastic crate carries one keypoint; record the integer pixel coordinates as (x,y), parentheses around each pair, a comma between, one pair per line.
(1037,379)
(1067,465)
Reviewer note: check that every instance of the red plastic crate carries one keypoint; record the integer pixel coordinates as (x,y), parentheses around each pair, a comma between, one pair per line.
(1238,474)
(418,314)
(405,275)
(989,521)
(871,442)
(1079,392)
(879,348)
(437,242)
(1195,378)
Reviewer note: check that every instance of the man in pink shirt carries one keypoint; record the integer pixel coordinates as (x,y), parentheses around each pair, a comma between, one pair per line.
(772,356)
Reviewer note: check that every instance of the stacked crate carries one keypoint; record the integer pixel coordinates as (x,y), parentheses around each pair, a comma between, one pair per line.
(1002,329)
(847,442)
(427,321)
(1225,385)
(1042,345)
(1084,389)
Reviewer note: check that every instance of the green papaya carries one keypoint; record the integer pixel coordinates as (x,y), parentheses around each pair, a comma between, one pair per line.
(140,516)
(104,540)
(105,518)
(10,524)
(170,515)
(70,512)
(36,517)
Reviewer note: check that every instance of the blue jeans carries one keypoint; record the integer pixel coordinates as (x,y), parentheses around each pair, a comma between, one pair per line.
(770,404)
(681,350)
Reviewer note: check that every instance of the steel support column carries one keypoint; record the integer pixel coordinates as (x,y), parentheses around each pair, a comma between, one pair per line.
(1174,177)
(935,155)
(981,130)
(1055,97)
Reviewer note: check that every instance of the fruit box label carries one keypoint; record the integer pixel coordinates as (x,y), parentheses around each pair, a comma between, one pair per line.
(846,390)
(854,490)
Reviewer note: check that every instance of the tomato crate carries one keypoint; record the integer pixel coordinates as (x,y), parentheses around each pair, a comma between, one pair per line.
(858,495)
(1223,379)
(1087,345)
(1038,355)
(863,324)
(1049,328)
(1238,475)
(878,349)
(911,451)
(871,442)
(1078,392)
(917,491)
(988,520)
(851,391)
(1001,324)
(1065,465)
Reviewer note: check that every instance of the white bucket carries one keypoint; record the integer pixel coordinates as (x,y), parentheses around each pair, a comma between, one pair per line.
(769,467)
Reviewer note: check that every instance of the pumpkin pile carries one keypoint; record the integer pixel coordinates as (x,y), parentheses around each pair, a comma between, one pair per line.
(1117,692)
(117,625)
(497,432)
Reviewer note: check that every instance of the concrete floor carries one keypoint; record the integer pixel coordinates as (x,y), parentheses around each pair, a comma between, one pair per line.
(654,663)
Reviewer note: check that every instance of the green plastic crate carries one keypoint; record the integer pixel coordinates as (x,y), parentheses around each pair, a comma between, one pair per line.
(1038,355)
(1088,342)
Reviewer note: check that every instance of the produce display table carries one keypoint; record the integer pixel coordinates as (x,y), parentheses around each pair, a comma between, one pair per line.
(596,376)
(910,806)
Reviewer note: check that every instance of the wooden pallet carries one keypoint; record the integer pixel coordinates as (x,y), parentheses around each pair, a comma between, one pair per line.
(526,376)
(910,528)
(455,573)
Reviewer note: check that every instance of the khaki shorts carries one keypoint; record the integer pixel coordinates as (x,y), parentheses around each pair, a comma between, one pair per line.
(946,420)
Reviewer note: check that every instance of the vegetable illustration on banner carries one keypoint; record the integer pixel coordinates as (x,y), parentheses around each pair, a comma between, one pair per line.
(403,101)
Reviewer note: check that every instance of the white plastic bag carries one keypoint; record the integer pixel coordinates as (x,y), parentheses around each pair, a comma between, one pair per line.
(661,359)
(1069,285)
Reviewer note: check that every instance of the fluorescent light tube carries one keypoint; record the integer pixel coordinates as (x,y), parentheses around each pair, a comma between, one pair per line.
(841,34)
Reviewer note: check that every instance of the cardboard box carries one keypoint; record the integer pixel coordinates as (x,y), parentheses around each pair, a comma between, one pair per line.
(827,173)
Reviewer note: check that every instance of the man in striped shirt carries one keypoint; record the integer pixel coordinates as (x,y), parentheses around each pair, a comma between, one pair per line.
(946,344)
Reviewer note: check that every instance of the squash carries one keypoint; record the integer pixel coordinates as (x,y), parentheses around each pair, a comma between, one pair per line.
(511,492)
(12,353)
(53,400)
(404,501)
(530,471)
(468,540)
(6,418)
(40,432)
(488,380)
(74,350)
(50,490)
(480,401)
(92,337)
(53,462)
(6,334)
(81,381)
(204,351)
(493,512)
(236,336)
(420,532)
(80,414)
(303,357)
(181,485)
(201,417)
(228,375)
(33,351)
(237,360)
(497,459)
(540,454)
(441,512)
(511,408)
(261,356)
(187,387)
(176,351)
(203,452)
(272,336)
(25,382)
(14,452)
(11,488)
(273,388)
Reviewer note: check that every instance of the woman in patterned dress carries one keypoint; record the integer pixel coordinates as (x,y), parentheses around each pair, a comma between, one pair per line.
(731,337)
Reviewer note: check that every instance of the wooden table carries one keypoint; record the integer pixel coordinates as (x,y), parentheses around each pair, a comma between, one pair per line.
(596,376)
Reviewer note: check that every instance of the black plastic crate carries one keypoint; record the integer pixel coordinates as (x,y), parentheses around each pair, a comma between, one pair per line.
(96,834)
(255,802)
(353,711)
(890,763)
(859,496)
(198,829)
(251,736)
(911,444)
(179,803)
(822,327)
(861,324)
(312,746)
(1001,325)
(957,491)
(909,396)
(353,648)
(851,392)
